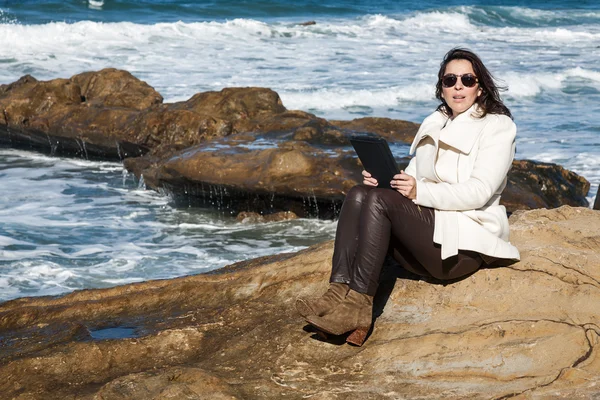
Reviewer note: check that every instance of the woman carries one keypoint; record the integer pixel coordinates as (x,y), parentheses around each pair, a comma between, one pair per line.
(443,219)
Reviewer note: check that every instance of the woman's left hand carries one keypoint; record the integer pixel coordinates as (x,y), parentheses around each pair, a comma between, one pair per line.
(405,184)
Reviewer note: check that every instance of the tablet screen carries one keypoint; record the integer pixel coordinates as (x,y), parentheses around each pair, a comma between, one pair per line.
(376,158)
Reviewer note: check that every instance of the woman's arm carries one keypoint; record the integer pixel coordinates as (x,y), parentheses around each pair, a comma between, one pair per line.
(494,159)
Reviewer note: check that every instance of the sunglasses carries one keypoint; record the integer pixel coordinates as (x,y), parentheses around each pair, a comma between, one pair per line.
(468,80)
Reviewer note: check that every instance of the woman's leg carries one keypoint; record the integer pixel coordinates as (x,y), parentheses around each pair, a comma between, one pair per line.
(387,213)
(355,312)
(346,239)
(347,234)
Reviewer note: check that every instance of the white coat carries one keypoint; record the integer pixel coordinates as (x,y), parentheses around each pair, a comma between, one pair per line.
(478,153)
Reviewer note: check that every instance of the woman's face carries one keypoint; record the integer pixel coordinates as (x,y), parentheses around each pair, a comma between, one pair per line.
(458,96)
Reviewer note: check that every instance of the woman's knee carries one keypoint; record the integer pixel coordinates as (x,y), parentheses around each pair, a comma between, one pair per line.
(381,199)
(358,193)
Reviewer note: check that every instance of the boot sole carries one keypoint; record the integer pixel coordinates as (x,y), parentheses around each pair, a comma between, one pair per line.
(357,336)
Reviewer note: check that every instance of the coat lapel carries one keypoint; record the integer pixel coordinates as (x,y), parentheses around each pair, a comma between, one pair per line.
(430,127)
(463,132)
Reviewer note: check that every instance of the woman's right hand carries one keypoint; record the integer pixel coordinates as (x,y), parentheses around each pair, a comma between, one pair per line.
(368,179)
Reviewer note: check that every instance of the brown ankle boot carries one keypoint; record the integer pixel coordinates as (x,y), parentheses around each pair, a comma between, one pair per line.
(321,306)
(355,314)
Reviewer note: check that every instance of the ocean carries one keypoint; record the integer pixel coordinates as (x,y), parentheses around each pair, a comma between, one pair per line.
(68,224)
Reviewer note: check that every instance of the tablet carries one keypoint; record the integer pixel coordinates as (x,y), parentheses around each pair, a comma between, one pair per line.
(376,158)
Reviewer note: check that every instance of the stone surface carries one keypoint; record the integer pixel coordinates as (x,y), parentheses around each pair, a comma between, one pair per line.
(528,331)
(82,116)
(533,184)
(269,174)
(391,129)
(252,217)
(110,114)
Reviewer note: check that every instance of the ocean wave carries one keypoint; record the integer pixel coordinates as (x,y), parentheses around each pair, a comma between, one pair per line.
(331,99)
(522,84)
(525,17)
(126,35)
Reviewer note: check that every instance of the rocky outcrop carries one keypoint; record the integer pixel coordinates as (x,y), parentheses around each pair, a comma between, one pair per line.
(238,149)
(83,116)
(110,114)
(533,184)
(391,129)
(269,174)
(526,331)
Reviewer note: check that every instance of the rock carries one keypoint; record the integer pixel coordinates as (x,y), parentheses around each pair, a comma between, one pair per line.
(253,218)
(169,383)
(111,87)
(311,179)
(525,331)
(110,114)
(391,129)
(83,116)
(308,180)
(534,184)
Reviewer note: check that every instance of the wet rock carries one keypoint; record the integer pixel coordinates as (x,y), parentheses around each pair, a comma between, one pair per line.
(115,88)
(312,180)
(391,129)
(308,180)
(533,184)
(252,217)
(110,114)
(83,116)
(527,331)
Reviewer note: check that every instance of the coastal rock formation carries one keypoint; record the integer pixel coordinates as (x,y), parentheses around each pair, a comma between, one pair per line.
(110,114)
(83,116)
(528,331)
(271,174)
(238,149)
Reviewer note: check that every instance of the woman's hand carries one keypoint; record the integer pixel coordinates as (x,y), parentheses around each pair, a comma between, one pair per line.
(405,184)
(368,179)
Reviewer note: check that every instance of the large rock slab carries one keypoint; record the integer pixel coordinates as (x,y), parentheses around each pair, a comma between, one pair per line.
(272,173)
(526,331)
(110,114)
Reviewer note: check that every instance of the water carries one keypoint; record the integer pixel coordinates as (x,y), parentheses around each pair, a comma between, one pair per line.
(71,224)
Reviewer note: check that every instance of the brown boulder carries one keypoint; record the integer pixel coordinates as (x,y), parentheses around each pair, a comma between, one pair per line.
(83,116)
(268,174)
(526,331)
(110,114)
(394,130)
(111,87)
(277,176)
(533,184)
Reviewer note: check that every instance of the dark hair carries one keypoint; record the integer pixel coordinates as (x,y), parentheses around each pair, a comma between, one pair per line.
(489,101)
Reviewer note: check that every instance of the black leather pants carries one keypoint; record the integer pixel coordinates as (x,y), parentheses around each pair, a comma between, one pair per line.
(375,221)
